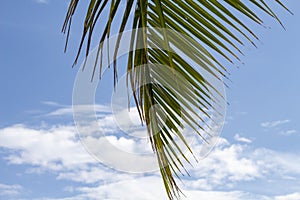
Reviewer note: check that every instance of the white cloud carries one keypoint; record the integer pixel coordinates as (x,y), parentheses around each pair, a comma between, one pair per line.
(53,104)
(278,163)
(95,174)
(274,123)
(151,188)
(226,165)
(294,196)
(238,138)
(68,110)
(220,195)
(288,132)
(10,190)
(42,1)
(57,149)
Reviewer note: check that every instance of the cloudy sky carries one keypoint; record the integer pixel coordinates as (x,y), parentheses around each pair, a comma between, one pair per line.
(257,157)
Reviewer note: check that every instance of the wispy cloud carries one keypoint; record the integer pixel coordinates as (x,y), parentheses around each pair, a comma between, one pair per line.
(10,190)
(288,132)
(69,110)
(272,124)
(42,1)
(238,138)
(52,103)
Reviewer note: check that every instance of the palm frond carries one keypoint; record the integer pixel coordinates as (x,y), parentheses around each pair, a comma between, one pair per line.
(170,98)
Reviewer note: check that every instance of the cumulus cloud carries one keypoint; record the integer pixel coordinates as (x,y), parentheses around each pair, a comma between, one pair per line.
(272,124)
(144,187)
(293,196)
(57,149)
(226,165)
(52,148)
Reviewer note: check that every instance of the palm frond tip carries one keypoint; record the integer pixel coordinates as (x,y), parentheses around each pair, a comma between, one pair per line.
(210,28)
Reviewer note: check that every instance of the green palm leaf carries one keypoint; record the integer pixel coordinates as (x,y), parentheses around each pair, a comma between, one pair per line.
(210,31)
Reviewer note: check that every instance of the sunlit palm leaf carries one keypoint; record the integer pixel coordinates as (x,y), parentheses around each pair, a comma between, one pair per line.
(209,28)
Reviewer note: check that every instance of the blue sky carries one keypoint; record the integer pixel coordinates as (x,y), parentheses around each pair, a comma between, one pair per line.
(258,156)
